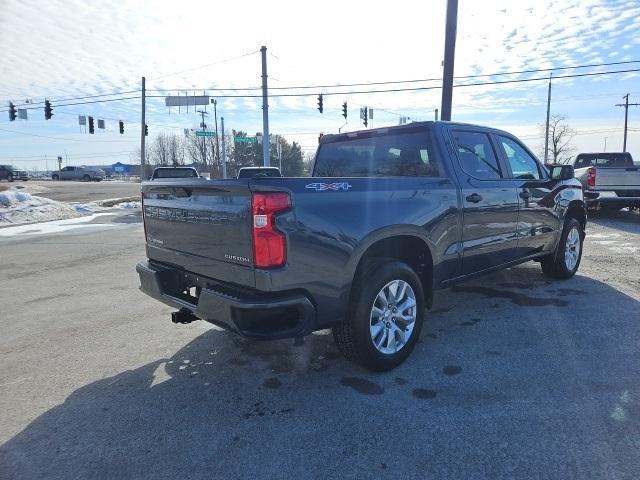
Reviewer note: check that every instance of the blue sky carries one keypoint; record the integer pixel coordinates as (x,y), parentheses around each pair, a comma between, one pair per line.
(60,49)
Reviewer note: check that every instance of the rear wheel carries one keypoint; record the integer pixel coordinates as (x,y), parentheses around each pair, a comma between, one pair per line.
(10,178)
(55,177)
(564,263)
(86,178)
(385,316)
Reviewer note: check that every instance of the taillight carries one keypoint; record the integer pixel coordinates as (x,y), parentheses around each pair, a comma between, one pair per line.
(591,177)
(269,244)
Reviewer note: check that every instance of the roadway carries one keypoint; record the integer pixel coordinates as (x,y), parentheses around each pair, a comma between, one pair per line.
(515,376)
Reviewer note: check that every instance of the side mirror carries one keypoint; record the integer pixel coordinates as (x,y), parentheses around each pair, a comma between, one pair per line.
(562,172)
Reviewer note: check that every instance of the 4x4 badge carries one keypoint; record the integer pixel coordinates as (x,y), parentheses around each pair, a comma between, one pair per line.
(321,187)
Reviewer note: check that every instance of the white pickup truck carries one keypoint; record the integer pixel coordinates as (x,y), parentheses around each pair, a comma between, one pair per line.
(610,180)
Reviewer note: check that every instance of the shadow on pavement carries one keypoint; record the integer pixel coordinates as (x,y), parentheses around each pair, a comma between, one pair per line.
(625,220)
(529,385)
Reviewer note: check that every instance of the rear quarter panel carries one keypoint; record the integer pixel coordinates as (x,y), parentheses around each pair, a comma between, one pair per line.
(329,229)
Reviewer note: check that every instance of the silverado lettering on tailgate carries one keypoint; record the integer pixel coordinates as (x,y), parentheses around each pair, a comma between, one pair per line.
(184,215)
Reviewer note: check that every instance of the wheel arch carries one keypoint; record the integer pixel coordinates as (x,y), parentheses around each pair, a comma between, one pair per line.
(405,246)
(577,209)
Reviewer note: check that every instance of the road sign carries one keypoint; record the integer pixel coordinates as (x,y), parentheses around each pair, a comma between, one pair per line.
(200,133)
(176,101)
(245,139)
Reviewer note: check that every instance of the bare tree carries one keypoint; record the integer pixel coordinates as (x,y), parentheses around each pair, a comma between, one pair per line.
(560,137)
(198,150)
(160,149)
(176,150)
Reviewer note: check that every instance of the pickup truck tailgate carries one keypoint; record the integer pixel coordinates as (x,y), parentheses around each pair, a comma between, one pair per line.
(201,226)
(618,178)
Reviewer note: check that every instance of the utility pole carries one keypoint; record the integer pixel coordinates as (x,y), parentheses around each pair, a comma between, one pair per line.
(265,109)
(224,152)
(626,106)
(546,130)
(204,139)
(449,58)
(142,132)
(215,115)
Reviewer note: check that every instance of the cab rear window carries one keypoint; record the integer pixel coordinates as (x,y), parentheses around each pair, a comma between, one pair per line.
(393,154)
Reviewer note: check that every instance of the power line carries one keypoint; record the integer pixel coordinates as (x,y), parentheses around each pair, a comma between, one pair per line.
(82,103)
(419,80)
(206,65)
(415,89)
(63,138)
(55,100)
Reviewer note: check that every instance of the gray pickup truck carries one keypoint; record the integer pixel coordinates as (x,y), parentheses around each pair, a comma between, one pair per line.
(389,216)
(86,174)
(610,180)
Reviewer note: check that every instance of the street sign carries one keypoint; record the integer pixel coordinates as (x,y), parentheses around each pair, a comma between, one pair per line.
(176,101)
(245,139)
(200,133)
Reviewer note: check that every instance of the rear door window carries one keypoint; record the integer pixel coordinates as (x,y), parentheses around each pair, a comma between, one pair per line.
(393,154)
(523,165)
(476,155)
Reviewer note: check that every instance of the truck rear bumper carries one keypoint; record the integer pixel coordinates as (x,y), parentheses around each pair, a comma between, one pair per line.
(613,199)
(252,314)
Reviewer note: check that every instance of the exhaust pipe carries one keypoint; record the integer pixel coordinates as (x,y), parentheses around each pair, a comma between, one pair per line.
(183,316)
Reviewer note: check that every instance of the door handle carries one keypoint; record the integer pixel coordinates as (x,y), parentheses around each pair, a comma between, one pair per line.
(474,198)
(525,194)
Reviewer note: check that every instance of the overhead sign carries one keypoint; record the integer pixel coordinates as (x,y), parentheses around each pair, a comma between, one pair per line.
(22,114)
(200,133)
(185,101)
(82,120)
(245,139)
(101,124)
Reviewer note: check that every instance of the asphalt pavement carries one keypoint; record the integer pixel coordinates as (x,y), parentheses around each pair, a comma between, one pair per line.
(515,376)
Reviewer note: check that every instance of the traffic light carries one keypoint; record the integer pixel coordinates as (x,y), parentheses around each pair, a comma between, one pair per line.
(91,130)
(48,111)
(344,110)
(365,116)
(12,111)
(320,108)
(146,130)
(121,124)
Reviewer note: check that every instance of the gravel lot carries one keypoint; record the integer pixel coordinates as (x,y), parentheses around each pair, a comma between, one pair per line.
(514,377)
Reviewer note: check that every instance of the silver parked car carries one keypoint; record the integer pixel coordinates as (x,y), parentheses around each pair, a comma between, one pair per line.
(86,174)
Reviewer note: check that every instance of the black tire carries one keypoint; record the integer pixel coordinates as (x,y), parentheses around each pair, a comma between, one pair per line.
(55,177)
(353,335)
(555,265)
(86,178)
(10,178)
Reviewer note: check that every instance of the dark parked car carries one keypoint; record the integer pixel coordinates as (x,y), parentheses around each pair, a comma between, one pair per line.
(252,172)
(390,216)
(174,172)
(10,173)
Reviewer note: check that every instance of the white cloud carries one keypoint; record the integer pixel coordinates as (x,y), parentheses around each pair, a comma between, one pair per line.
(66,48)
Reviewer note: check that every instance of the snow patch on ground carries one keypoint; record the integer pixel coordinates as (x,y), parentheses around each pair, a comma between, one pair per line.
(57,226)
(19,208)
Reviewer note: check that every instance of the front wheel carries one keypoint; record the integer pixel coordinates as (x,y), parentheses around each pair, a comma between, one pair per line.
(10,178)
(564,263)
(55,177)
(385,316)
(86,178)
